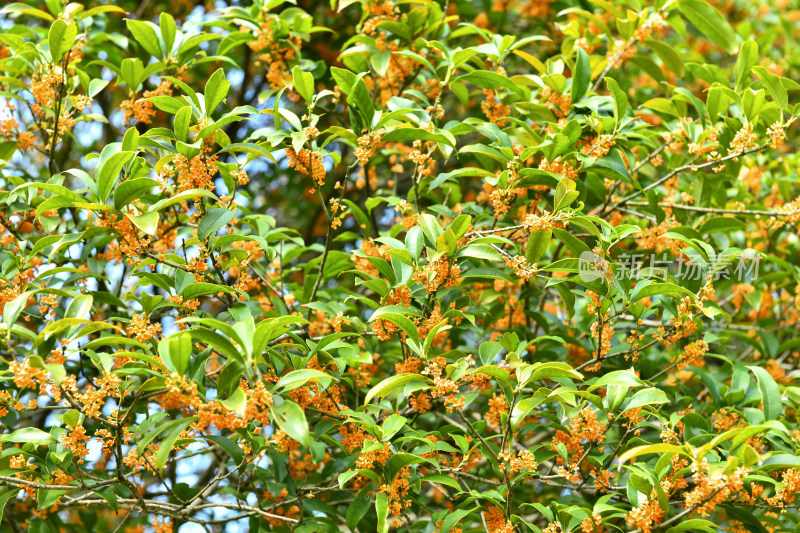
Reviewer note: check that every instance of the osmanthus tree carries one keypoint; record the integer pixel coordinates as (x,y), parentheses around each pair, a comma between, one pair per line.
(372,265)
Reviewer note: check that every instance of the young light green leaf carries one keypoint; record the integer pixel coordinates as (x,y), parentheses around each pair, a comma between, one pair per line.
(415,134)
(486,79)
(648,396)
(175,351)
(216,89)
(303,376)
(392,383)
(303,83)
(147,222)
(291,419)
(659,448)
(29,435)
(183,119)
(145,34)
(382,510)
(61,38)
(168,30)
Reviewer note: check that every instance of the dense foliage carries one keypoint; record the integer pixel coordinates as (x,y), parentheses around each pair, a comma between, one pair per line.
(413,265)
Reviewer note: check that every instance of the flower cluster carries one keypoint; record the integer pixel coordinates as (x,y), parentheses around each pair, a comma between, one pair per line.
(308,163)
(442,272)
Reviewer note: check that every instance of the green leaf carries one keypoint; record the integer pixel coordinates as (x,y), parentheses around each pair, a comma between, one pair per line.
(582,76)
(215,91)
(230,447)
(357,509)
(481,251)
(61,38)
(695,524)
(403,322)
(415,134)
(109,172)
(620,101)
(95,86)
(185,196)
(13,308)
(364,223)
(617,377)
(722,225)
(392,383)
(168,441)
(147,222)
(130,141)
(79,307)
(496,372)
(168,104)
(304,376)
(167,27)
(483,150)
(47,498)
(566,193)
(236,402)
(774,86)
(196,290)
(130,190)
(648,396)
(659,289)
(451,519)
(660,448)
(552,369)
(446,243)
(213,220)
(770,394)
(98,10)
(486,79)
(29,435)
(344,79)
(303,83)
(382,510)
(430,227)
(360,99)
(739,436)
(537,245)
(183,119)
(750,522)
(748,58)
(175,351)
(400,460)
(4,499)
(392,425)
(780,461)
(486,273)
(291,419)
(710,22)
(145,34)
(534,61)
(668,56)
